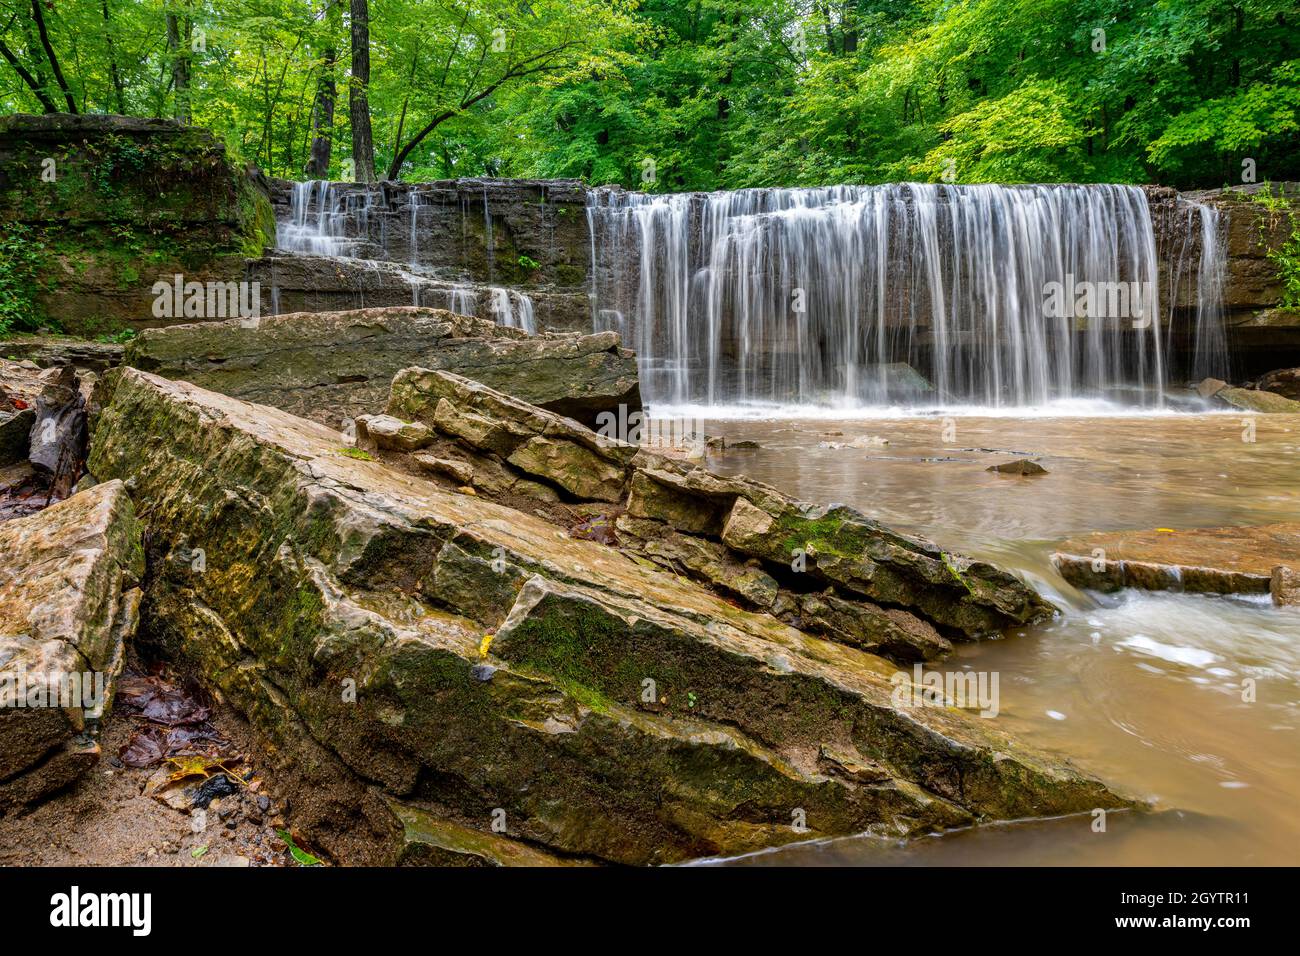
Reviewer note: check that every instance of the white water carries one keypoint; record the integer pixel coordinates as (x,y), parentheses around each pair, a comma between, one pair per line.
(827,296)
(325,220)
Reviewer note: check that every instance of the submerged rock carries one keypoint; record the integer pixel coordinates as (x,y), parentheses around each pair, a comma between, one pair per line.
(348,610)
(1021,466)
(331,366)
(69,600)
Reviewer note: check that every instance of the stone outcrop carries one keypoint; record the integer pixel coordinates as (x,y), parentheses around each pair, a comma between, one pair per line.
(830,569)
(333,366)
(69,600)
(306,283)
(1199,560)
(1222,394)
(120,203)
(396,640)
(1283,381)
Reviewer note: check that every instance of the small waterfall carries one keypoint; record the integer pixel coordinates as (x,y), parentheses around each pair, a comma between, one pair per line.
(513,309)
(1210,357)
(997,295)
(331,219)
(320,216)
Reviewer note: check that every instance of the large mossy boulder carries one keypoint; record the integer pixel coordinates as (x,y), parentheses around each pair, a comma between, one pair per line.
(109,205)
(331,366)
(396,640)
(69,601)
(887,591)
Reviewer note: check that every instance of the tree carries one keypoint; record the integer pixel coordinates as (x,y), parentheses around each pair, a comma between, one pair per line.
(363,142)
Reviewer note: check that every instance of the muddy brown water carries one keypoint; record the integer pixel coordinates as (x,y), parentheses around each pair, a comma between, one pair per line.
(1147,690)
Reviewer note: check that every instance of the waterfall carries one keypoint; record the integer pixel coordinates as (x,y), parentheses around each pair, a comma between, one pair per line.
(320,215)
(1209,340)
(868,295)
(331,219)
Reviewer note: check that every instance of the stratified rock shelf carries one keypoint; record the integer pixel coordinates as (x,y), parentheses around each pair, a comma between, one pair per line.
(329,366)
(396,640)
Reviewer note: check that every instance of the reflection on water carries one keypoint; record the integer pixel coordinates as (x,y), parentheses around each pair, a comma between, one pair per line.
(1143,689)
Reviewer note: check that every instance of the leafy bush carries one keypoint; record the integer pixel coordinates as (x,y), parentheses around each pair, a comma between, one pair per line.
(20,258)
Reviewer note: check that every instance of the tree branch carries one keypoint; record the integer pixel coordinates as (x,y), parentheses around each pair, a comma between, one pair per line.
(49,55)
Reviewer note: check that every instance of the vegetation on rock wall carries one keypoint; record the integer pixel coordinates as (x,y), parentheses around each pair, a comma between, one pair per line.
(696,94)
(21,253)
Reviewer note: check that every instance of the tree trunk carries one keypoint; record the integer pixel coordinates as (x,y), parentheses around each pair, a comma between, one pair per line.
(119,89)
(363,143)
(322,113)
(322,120)
(178,45)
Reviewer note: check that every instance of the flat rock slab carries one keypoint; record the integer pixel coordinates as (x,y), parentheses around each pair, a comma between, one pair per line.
(69,600)
(402,641)
(332,366)
(1205,560)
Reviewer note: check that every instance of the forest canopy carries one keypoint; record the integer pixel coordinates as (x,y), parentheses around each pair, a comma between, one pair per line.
(668,95)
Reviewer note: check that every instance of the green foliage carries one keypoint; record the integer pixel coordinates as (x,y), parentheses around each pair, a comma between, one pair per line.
(120,337)
(1286,257)
(704,94)
(529,263)
(21,253)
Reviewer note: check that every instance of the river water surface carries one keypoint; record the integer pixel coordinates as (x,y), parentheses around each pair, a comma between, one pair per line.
(1142,689)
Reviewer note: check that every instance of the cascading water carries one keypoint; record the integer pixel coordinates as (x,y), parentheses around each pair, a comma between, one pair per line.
(326,220)
(319,219)
(998,295)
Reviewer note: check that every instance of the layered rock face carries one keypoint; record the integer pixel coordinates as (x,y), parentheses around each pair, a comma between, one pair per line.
(831,570)
(120,203)
(333,366)
(69,601)
(398,640)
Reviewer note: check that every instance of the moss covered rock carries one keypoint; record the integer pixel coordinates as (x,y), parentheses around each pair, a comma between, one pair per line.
(113,204)
(69,600)
(399,641)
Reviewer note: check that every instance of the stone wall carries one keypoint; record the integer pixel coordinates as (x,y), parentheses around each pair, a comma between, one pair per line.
(114,204)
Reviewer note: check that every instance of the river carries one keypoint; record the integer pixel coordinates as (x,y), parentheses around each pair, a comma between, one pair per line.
(1146,690)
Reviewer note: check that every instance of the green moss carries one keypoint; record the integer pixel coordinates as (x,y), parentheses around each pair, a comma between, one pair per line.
(357,453)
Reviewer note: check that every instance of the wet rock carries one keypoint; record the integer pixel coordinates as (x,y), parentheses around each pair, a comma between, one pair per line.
(386,432)
(581,472)
(1209,387)
(331,366)
(1254,400)
(841,546)
(660,501)
(1284,586)
(15,430)
(889,631)
(323,568)
(430,841)
(69,600)
(698,558)
(1283,381)
(1021,466)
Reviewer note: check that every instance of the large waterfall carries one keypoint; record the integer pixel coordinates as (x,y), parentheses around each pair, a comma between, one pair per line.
(921,294)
